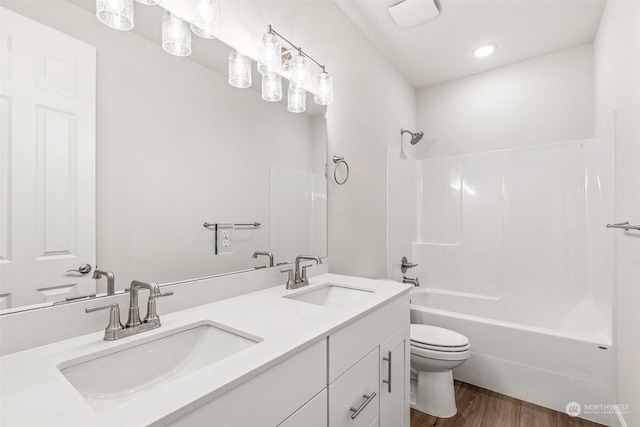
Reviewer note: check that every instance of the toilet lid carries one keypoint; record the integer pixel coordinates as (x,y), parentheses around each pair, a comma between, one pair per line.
(428,336)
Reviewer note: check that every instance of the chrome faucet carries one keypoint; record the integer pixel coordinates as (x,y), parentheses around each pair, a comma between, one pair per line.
(301,279)
(134,325)
(414,282)
(111,280)
(269,254)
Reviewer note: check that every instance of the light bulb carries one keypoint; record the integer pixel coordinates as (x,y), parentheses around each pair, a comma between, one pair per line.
(239,70)
(271,87)
(175,31)
(176,37)
(296,99)
(204,12)
(116,14)
(324,89)
(300,71)
(206,22)
(115,5)
(270,59)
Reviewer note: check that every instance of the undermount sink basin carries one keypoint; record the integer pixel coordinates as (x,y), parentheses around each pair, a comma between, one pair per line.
(115,375)
(331,294)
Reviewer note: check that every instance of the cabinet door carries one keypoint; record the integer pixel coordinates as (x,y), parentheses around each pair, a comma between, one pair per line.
(353,397)
(313,414)
(394,379)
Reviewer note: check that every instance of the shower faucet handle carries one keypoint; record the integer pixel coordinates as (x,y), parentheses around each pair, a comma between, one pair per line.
(405,264)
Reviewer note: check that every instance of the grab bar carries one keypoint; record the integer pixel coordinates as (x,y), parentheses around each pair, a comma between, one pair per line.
(624,225)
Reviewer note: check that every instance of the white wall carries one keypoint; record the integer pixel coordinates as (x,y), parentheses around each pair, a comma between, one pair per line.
(372,102)
(544,100)
(617,87)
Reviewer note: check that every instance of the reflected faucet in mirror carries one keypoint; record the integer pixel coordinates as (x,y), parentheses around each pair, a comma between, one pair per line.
(269,254)
(111,280)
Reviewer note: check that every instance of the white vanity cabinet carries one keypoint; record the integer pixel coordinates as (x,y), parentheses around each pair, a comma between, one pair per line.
(358,368)
(340,381)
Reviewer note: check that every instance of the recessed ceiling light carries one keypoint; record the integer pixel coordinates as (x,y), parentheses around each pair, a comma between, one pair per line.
(484,50)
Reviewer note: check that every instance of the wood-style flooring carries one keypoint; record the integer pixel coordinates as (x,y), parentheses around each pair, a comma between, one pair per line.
(478,407)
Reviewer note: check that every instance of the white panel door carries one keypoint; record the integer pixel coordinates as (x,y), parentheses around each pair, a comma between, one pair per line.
(47,163)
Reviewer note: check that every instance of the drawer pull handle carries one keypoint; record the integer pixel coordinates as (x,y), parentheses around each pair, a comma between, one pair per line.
(388,382)
(368,398)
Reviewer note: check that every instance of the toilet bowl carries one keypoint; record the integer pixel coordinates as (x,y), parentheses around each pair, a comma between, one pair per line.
(435,352)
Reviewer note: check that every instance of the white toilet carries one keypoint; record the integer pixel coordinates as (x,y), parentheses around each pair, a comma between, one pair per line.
(434,353)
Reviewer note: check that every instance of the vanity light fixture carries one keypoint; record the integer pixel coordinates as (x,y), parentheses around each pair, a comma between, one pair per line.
(117,14)
(239,70)
(176,32)
(294,63)
(207,19)
(484,50)
(176,36)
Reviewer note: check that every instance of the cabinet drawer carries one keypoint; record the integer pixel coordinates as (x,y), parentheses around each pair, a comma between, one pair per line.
(348,393)
(354,341)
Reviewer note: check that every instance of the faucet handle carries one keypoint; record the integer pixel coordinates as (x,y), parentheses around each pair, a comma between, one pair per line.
(114,326)
(290,281)
(164,294)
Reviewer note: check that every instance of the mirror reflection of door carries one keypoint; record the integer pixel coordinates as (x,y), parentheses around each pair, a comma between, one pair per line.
(47,163)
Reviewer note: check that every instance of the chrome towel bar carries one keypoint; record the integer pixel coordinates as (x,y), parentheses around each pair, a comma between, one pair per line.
(624,225)
(251,225)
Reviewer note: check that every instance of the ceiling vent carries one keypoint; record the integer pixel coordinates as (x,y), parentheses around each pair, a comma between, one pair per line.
(410,13)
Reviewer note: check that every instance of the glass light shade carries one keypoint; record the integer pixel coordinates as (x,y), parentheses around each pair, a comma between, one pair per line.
(272,87)
(300,71)
(176,36)
(116,14)
(296,99)
(239,70)
(270,60)
(206,23)
(149,2)
(324,89)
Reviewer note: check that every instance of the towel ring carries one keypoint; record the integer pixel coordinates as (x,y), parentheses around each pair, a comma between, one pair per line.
(338,160)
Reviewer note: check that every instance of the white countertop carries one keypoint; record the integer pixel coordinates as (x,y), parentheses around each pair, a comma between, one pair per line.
(34,392)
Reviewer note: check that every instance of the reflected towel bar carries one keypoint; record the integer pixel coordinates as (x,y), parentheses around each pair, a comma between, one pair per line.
(213,225)
(624,225)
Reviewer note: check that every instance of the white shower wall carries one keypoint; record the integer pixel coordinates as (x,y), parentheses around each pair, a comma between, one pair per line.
(521,229)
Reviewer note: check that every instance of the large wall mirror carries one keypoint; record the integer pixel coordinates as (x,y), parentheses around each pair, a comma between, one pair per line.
(175,146)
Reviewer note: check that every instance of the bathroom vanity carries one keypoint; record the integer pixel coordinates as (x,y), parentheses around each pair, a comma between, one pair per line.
(332,353)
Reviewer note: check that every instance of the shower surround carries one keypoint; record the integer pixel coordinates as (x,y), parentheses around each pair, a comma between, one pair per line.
(513,252)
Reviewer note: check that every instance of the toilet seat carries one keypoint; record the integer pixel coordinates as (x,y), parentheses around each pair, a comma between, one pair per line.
(440,355)
(434,338)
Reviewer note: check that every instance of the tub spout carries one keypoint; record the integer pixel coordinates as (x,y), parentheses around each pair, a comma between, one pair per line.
(414,282)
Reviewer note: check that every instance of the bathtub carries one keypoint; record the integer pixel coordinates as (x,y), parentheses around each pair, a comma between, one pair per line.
(549,361)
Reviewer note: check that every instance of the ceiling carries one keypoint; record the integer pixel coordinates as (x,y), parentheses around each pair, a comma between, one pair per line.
(440,49)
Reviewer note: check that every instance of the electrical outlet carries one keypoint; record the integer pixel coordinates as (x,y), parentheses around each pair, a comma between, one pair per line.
(225,239)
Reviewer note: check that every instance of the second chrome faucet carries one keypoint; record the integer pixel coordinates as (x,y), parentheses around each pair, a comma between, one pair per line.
(300,279)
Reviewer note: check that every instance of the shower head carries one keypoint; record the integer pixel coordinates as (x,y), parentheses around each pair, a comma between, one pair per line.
(415,136)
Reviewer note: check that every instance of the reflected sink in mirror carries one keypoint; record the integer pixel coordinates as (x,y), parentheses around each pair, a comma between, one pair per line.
(113,376)
(331,294)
